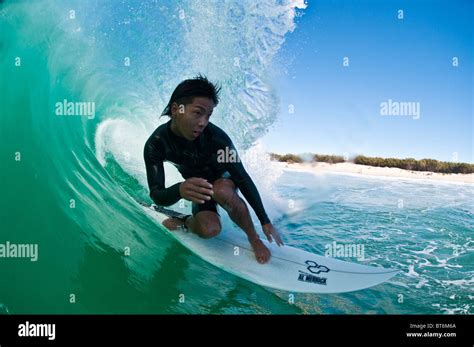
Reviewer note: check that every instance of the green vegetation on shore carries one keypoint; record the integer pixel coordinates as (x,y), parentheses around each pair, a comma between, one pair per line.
(287,158)
(405,164)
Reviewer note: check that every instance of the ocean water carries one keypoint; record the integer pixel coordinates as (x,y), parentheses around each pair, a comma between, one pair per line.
(70,183)
(423,229)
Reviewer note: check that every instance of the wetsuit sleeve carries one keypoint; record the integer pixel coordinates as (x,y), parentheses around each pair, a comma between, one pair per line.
(244,182)
(156,177)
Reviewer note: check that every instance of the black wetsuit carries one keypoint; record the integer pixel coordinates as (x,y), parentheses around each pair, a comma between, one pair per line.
(197,158)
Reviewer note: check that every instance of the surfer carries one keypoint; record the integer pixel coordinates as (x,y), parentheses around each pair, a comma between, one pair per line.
(208,161)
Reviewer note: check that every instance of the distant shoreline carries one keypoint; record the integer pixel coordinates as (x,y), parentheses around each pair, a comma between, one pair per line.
(409,164)
(427,169)
(366,170)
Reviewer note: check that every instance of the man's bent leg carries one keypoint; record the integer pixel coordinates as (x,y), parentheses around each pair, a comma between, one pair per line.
(226,196)
(206,224)
(205,221)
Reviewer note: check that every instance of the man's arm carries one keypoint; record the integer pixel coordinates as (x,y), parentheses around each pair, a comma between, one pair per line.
(156,177)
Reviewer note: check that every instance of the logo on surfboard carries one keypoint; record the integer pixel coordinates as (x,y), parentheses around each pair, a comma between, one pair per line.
(306,277)
(315,269)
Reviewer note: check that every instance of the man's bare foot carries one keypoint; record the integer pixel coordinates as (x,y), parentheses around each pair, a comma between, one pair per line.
(262,253)
(173,223)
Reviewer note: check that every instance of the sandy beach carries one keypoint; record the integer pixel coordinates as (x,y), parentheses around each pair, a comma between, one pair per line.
(350,168)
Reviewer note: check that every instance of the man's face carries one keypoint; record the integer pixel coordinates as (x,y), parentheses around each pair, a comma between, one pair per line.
(190,120)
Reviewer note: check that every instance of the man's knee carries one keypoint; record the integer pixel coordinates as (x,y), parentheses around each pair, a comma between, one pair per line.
(209,230)
(224,190)
(208,224)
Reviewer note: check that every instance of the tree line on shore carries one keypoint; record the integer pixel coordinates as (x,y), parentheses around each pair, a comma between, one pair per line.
(431,165)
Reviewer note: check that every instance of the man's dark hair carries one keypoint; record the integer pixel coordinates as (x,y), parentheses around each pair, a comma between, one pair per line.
(187,90)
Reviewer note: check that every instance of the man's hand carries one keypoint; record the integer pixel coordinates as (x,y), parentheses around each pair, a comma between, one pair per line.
(271,233)
(196,189)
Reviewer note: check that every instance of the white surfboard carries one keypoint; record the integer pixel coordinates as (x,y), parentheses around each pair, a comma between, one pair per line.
(290,269)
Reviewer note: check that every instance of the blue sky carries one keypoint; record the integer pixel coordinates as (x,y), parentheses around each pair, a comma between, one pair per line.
(337,108)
